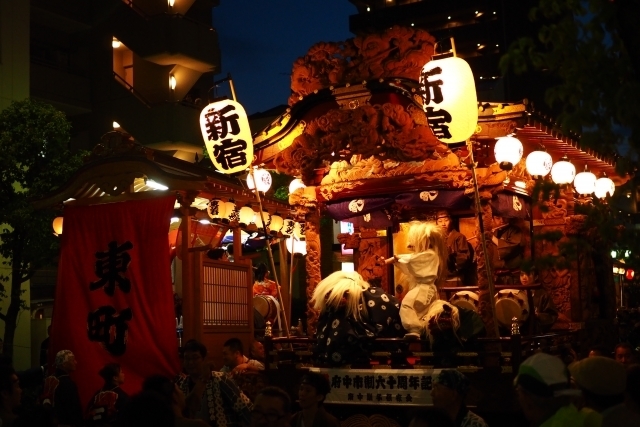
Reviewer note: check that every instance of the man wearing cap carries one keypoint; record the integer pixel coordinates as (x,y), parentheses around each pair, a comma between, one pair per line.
(545,393)
(61,393)
(449,390)
(460,252)
(603,382)
(314,387)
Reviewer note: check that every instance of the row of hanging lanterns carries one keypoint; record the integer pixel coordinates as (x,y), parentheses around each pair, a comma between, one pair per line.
(508,151)
(227,212)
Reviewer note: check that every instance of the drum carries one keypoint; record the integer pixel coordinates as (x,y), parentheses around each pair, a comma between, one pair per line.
(267,306)
(511,303)
(465,299)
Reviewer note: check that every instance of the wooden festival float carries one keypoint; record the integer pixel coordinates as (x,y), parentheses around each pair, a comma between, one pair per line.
(357,134)
(213,297)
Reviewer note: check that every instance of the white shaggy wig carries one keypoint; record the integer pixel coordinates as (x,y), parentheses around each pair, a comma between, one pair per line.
(338,285)
(423,236)
(436,309)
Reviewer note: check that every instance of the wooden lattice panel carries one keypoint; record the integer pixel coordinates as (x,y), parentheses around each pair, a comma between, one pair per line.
(225,296)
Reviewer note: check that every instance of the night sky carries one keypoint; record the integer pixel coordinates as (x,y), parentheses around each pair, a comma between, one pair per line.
(260,39)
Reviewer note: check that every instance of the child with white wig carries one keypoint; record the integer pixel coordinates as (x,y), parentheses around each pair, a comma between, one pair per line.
(352,313)
(424,266)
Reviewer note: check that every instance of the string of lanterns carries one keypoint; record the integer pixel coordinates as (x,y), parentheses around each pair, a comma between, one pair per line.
(508,151)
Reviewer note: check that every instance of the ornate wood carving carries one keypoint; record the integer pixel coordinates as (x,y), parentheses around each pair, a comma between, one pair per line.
(368,247)
(484,305)
(397,52)
(312,234)
(386,131)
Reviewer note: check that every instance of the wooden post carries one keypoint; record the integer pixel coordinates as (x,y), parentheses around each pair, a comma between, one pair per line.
(189,301)
(314,275)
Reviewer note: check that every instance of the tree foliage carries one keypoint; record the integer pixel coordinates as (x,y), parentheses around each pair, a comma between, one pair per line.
(588,48)
(34,140)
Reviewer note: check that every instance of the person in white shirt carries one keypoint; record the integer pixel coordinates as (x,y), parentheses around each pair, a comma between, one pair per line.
(234,359)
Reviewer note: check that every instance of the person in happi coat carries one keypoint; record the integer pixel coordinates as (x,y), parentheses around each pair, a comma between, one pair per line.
(107,402)
(460,253)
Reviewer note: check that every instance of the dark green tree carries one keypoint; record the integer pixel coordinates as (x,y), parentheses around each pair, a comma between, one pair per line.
(590,49)
(34,142)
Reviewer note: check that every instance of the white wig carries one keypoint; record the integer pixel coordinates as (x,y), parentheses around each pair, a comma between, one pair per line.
(436,309)
(423,236)
(338,285)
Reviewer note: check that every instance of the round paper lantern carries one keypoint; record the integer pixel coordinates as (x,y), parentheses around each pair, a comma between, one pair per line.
(246,216)
(563,171)
(629,274)
(296,247)
(231,212)
(276,224)
(57,225)
(262,178)
(450,100)
(217,209)
(539,164)
(258,219)
(508,152)
(585,182)
(298,230)
(288,227)
(295,184)
(604,187)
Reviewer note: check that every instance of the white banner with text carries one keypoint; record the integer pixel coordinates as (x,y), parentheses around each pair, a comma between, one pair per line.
(379,386)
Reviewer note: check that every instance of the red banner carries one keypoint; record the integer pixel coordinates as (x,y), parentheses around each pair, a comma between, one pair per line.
(114,301)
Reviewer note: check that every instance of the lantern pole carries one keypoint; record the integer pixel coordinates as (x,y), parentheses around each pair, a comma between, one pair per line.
(483,239)
(272,262)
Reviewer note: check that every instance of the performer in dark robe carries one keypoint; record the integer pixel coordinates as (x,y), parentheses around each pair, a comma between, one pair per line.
(509,242)
(544,310)
(460,253)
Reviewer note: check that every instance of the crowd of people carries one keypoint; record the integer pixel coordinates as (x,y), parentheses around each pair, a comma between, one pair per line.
(597,391)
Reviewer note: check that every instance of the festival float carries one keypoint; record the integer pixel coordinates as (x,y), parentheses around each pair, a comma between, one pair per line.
(384,133)
(387,135)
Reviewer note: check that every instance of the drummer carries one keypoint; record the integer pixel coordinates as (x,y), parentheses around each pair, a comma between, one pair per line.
(460,256)
(545,311)
(263,285)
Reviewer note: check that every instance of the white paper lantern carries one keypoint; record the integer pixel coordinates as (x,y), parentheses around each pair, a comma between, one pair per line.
(263,179)
(231,212)
(296,247)
(246,216)
(563,172)
(585,182)
(227,136)
(288,227)
(299,230)
(295,184)
(508,152)
(258,219)
(217,209)
(539,164)
(450,100)
(604,187)
(276,224)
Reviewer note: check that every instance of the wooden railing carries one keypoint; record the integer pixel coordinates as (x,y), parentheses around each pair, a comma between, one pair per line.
(504,352)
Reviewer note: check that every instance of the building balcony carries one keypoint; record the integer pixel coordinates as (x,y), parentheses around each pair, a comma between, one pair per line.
(167,39)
